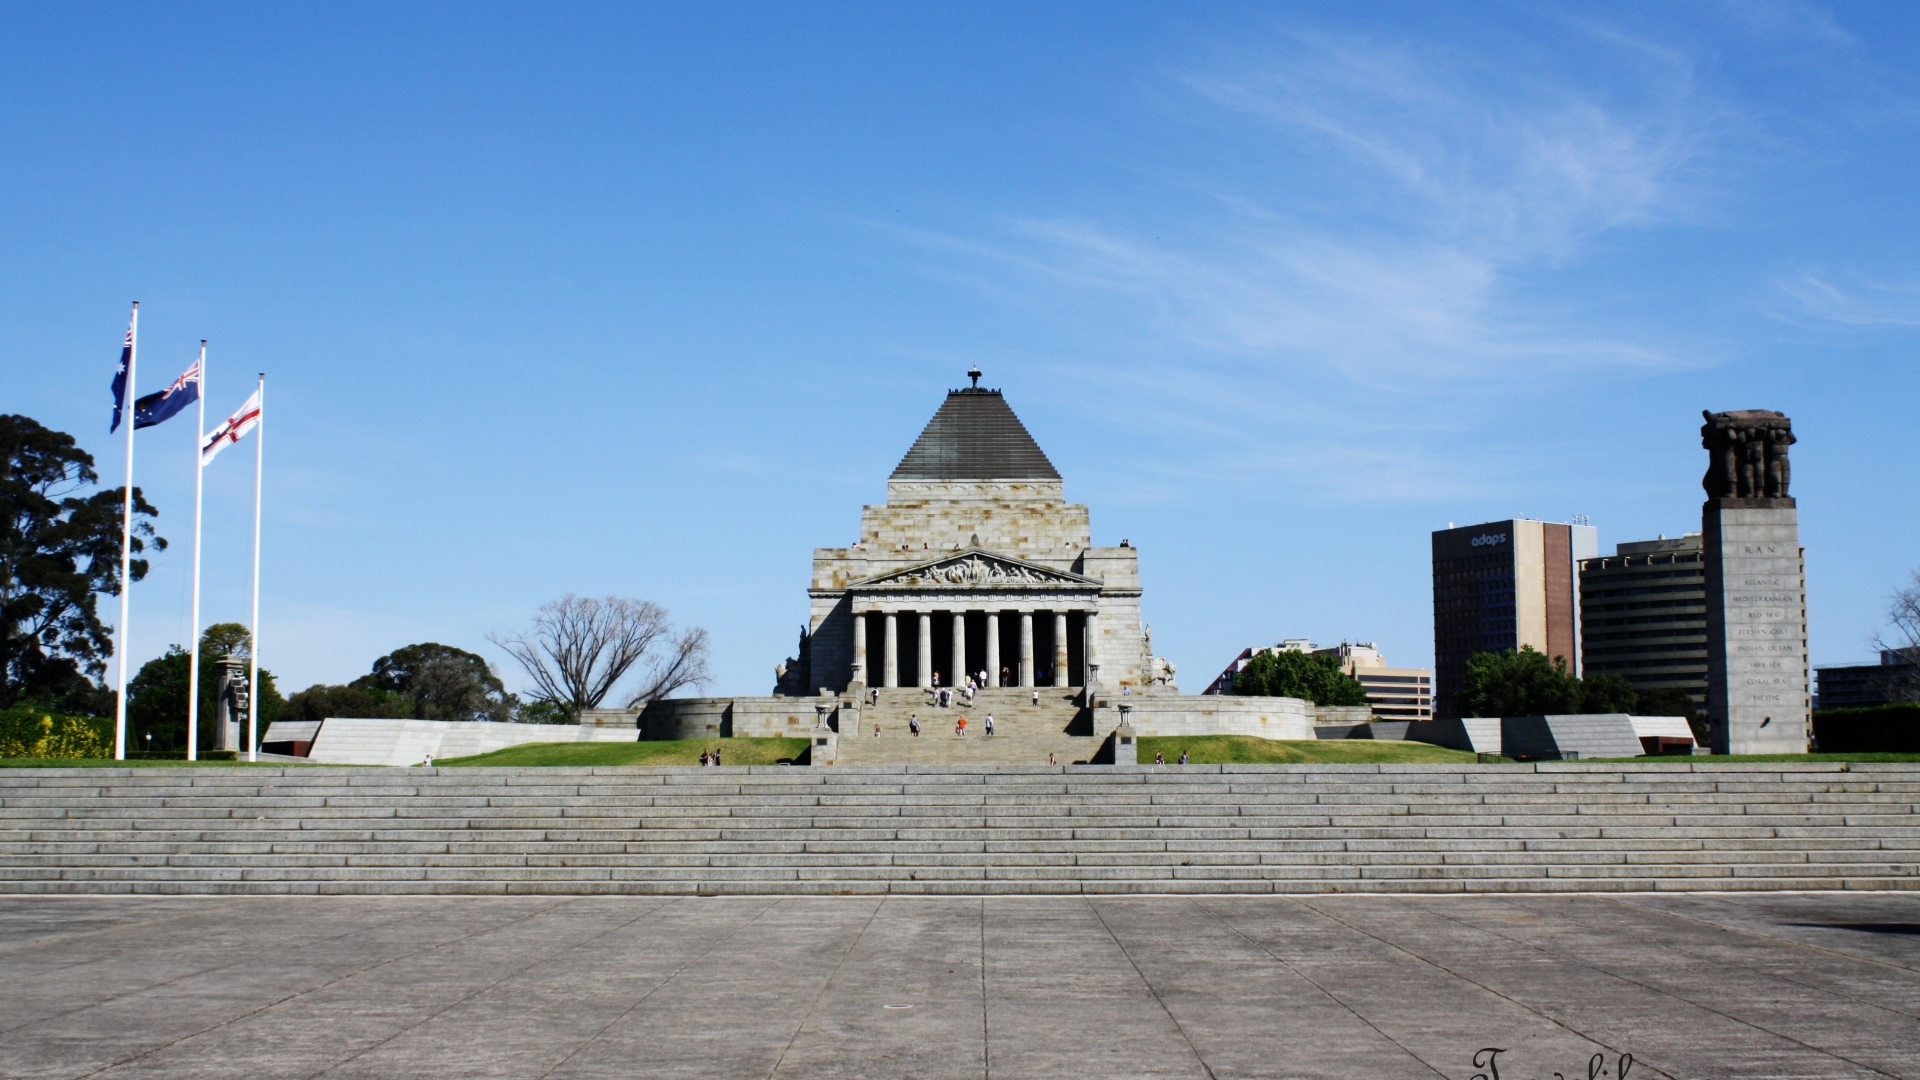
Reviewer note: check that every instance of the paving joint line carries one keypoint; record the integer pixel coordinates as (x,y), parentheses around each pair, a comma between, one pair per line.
(1555,1021)
(662,984)
(1151,989)
(814,1005)
(1311,981)
(1663,993)
(1815,988)
(321,986)
(196,974)
(1716,898)
(464,998)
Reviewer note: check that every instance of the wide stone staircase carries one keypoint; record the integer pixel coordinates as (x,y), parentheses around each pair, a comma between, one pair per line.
(1024,734)
(1006,829)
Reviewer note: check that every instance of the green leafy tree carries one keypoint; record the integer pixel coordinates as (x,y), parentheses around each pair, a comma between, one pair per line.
(321,702)
(157,695)
(1526,683)
(444,682)
(1607,693)
(58,552)
(1308,676)
(1509,683)
(542,712)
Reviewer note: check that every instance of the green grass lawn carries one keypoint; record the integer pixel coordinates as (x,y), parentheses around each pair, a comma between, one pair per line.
(740,751)
(1249,750)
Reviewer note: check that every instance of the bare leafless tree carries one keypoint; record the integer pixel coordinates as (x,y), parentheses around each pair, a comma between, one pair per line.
(1902,639)
(580,647)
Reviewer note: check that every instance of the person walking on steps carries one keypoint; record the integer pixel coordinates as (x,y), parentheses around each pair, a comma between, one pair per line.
(1053,758)
(960,727)
(876,731)
(989,725)
(1036,698)
(913,724)
(875,691)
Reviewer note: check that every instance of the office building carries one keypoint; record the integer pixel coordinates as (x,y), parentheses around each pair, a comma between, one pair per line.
(1896,678)
(1392,693)
(1643,615)
(1502,585)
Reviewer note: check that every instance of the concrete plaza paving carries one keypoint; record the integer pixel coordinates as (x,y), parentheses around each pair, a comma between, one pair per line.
(1691,985)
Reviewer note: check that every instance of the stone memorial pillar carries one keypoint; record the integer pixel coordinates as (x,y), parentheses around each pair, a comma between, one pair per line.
(1757,693)
(227,711)
(993,649)
(1061,675)
(925,672)
(1026,648)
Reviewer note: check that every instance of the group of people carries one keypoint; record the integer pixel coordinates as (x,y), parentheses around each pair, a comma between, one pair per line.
(1161,759)
(959,726)
(710,757)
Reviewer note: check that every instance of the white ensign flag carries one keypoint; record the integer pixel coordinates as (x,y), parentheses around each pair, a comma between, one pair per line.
(235,429)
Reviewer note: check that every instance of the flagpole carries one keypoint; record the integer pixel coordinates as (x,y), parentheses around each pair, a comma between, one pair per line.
(253,659)
(199,482)
(126,541)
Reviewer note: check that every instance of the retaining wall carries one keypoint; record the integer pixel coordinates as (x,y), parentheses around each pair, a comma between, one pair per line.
(362,741)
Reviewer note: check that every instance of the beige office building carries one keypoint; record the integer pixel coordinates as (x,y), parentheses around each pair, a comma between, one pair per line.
(1392,693)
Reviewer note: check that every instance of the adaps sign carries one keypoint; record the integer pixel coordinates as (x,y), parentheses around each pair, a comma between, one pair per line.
(1475,540)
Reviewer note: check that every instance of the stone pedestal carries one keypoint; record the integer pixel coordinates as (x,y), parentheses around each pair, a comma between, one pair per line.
(1757,694)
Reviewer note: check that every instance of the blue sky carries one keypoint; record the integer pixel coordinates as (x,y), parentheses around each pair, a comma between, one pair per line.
(649,300)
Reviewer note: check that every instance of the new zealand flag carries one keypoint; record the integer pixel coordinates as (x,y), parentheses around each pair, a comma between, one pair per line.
(154,408)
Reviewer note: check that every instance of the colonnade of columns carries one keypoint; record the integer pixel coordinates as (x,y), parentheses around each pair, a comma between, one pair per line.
(1023,672)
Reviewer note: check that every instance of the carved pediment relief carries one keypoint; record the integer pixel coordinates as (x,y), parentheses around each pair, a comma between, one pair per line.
(978,567)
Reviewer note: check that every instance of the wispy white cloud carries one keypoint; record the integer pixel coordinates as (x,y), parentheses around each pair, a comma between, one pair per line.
(1861,301)
(1350,253)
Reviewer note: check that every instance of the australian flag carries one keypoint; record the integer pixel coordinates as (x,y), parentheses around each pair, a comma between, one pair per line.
(120,380)
(154,408)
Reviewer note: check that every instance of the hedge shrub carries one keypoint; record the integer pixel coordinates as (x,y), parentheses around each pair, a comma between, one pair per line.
(1882,729)
(36,733)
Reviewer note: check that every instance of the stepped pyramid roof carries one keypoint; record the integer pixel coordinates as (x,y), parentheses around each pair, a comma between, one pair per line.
(975,436)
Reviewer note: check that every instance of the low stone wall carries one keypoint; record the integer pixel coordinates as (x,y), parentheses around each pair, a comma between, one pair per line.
(364,741)
(1161,716)
(1590,735)
(1341,715)
(735,717)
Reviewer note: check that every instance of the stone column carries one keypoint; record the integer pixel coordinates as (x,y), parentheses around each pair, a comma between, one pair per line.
(1093,647)
(860,648)
(891,660)
(1026,648)
(959,649)
(1756,626)
(1061,675)
(925,672)
(993,648)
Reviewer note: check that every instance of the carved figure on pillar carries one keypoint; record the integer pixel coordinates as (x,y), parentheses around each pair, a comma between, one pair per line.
(1779,469)
(1747,454)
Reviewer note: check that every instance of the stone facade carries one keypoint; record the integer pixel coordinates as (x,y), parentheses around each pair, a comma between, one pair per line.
(975,563)
(963,571)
